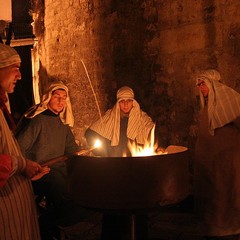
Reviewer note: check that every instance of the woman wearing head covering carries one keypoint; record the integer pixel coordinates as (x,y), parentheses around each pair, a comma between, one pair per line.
(18,217)
(124,122)
(217,164)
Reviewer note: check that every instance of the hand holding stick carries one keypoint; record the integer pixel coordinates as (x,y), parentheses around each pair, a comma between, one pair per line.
(64,158)
(52,161)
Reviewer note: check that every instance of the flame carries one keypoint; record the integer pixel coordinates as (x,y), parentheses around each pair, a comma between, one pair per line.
(150,148)
(97,144)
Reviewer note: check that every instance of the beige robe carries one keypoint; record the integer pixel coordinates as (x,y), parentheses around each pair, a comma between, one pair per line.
(18,217)
(217,179)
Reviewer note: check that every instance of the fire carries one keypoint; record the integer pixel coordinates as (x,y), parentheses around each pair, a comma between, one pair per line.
(150,148)
(97,144)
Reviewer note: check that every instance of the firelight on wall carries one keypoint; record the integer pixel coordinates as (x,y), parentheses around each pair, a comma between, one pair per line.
(6,10)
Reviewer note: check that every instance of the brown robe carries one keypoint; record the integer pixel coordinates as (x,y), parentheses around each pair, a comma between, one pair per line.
(217,179)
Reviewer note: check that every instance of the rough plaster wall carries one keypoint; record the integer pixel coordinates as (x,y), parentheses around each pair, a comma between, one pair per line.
(156,47)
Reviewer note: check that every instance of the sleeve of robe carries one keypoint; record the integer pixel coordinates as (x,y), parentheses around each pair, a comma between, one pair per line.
(9,163)
(27,137)
(71,145)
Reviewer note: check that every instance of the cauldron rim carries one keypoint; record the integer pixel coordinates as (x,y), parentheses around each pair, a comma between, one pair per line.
(182,150)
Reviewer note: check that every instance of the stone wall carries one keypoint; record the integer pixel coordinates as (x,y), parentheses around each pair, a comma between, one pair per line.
(154,46)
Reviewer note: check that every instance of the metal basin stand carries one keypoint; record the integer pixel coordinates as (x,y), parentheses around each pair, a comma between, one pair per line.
(129,184)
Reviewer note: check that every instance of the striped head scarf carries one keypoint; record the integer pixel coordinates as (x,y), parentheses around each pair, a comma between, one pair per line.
(8,56)
(66,115)
(125,93)
(223,101)
(139,123)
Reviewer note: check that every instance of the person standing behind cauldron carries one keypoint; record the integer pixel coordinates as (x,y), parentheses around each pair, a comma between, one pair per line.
(217,163)
(124,122)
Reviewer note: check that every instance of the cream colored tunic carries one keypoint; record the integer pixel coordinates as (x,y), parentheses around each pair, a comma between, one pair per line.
(18,217)
(217,179)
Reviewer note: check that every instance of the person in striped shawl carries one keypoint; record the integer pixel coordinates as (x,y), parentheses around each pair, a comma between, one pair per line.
(124,122)
(217,158)
(18,216)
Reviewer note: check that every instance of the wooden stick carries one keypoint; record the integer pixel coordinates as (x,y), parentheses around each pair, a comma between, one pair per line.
(56,160)
(64,158)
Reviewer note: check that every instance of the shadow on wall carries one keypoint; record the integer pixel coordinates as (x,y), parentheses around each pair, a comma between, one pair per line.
(208,16)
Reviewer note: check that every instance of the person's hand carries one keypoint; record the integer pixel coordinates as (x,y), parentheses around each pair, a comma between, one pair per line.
(45,170)
(32,168)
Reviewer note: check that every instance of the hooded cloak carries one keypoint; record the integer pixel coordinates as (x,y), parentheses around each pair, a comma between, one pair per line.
(223,101)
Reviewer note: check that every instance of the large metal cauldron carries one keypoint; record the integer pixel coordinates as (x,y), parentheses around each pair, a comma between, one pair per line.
(129,183)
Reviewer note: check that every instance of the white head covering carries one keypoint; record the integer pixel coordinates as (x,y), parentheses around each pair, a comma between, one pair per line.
(125,93)
(223,101)
(8,56)
(139,123)
(66,115)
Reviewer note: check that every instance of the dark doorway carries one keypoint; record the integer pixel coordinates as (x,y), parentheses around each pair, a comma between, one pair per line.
(22,98)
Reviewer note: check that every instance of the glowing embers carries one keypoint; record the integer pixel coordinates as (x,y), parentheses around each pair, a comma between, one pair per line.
(150,148)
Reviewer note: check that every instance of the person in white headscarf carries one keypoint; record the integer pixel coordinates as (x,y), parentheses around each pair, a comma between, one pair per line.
(48,135)
(124,122)
(65,113)
(217,163)
(18,215)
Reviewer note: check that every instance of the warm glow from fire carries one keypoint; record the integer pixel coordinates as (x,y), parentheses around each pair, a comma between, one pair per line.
(97,144)
(150,148)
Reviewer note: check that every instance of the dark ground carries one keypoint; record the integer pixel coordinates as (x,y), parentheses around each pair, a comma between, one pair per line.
(165,223)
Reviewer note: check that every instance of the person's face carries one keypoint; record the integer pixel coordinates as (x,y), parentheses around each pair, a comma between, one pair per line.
(126,105)
(57,101)
(9,77)
(203,88)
